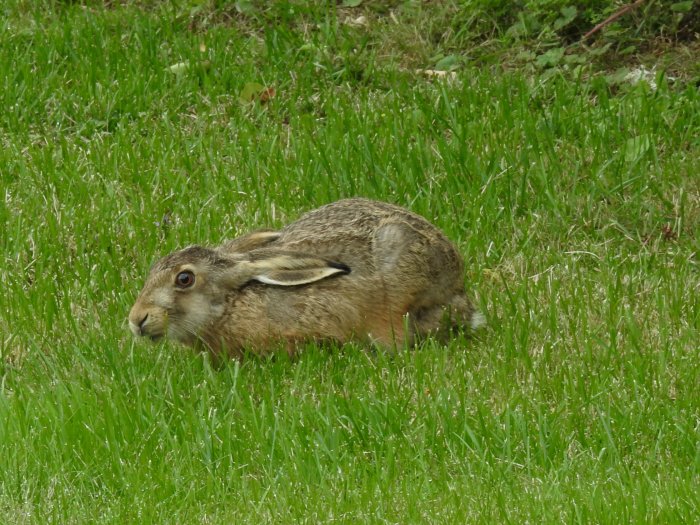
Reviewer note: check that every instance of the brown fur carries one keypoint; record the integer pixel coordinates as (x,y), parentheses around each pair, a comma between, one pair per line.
(355,269)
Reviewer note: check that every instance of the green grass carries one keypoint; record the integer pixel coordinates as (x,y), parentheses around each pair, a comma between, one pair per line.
(576,206)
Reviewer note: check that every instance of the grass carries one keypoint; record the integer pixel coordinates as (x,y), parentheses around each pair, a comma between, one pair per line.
(575,203)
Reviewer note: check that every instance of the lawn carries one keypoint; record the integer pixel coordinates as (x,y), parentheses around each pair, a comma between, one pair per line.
(130,130)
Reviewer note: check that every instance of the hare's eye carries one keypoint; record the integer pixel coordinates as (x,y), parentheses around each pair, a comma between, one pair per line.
(184,279)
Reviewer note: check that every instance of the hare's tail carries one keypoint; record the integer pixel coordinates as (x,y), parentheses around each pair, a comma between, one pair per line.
(477,320)
(463,313)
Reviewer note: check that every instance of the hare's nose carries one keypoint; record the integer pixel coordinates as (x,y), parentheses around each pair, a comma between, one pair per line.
(137,326)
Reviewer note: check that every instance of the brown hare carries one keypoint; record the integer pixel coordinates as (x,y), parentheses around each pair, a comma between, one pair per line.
(355,269)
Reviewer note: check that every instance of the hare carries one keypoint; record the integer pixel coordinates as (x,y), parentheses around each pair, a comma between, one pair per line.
(355,269)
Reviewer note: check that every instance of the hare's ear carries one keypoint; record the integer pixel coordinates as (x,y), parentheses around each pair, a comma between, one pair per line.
(282,268)
(251,241)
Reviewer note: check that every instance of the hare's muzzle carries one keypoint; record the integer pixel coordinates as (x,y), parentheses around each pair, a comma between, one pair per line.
(137,323)
(147,320)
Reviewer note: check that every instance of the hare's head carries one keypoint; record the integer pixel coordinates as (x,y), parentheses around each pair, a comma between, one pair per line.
(180,295)
(189,289)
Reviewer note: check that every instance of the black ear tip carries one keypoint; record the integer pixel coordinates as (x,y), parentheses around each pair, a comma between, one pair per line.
(340,266)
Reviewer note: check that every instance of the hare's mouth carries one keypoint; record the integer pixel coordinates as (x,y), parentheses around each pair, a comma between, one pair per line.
(155,337)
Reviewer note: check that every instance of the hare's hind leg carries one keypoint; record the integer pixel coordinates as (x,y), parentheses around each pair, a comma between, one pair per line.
(417,266)
(422,276)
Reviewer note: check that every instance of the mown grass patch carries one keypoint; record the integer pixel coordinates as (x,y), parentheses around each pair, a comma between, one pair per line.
(575,202)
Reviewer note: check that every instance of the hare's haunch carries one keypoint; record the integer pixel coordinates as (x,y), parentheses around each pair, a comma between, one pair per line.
(355,269)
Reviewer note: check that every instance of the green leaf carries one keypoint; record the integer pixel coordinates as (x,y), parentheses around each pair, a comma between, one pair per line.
(526,25)
(617,77)
(352,3)
(179,68)
(636,147)
(568,14)
(598,51)
(550,58)
(244,7)
(682,7)
(448,63)
(575,58)
(250,91)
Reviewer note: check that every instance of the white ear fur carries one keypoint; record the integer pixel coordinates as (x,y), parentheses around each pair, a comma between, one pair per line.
(296,277)
(280,268)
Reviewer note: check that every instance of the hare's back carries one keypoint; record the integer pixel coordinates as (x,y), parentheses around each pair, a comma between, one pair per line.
(371,236)
(352,218)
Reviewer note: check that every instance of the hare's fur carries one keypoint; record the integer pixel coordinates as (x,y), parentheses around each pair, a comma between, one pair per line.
(353,269)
